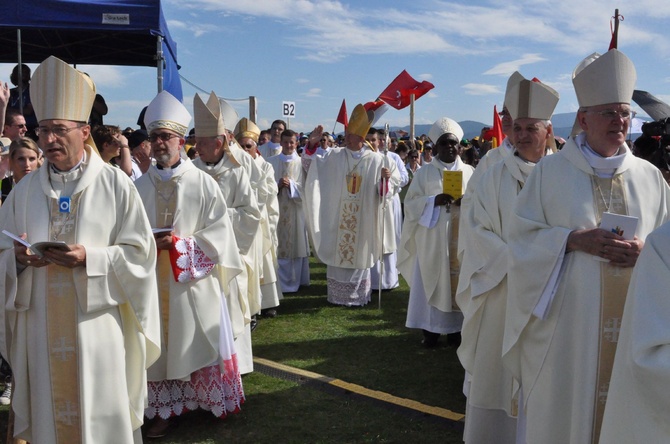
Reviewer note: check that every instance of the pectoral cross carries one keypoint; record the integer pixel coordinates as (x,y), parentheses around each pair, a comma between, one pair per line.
(166,214)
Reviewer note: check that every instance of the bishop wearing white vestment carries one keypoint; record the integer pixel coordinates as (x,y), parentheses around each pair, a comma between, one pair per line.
(342,203)
(564,302)
(79,325)
(482,293)
(427,256)
(198,259)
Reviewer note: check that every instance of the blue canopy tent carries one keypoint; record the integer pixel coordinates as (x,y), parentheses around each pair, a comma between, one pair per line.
(93,32)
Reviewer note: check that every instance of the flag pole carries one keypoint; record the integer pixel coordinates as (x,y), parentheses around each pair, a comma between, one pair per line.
(383,211)
(411,120)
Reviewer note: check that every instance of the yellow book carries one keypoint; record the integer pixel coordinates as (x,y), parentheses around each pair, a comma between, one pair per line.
(452,183)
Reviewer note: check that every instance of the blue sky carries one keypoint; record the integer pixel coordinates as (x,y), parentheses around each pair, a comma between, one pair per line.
(317,52)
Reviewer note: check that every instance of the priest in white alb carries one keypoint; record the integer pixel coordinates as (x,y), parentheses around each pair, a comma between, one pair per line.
(490,388)
(246,134)
(198,258)
(292,248)
(80,325)
(568,276)
(427,255)
(343,196)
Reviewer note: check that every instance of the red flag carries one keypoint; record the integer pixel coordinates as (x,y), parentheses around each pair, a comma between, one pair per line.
(342,116)
(398,93)
(379,107)
(497,129)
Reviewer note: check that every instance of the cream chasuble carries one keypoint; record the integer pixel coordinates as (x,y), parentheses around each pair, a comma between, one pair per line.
(342,203)
(561,358)
(193,307)
(107,314)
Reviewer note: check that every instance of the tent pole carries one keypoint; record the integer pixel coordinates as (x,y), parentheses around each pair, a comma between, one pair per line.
(159,62)
(20,70)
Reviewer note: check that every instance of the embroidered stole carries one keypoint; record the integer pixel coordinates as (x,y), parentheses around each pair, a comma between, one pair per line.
(62,314)
(613,291)
(350,212)
(165,211)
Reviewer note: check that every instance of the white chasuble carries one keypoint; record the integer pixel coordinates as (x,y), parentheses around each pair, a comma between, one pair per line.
(110,308)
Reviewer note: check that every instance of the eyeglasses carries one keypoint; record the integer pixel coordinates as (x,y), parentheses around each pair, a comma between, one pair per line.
(19,125)
(612,114)
(248,146)
(324,140)
(163,136)
(58,131)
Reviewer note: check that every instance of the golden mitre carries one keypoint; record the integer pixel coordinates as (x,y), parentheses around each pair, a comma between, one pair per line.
(360,121)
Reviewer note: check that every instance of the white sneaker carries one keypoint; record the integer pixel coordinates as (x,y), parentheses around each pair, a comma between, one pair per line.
(6,396)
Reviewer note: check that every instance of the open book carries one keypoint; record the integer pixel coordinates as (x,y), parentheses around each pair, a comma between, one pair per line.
(38,248)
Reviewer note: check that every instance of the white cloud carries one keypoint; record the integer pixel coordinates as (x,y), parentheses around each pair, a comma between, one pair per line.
(105,75)
(480,89)
(507,68)
(302,81)
(313,92)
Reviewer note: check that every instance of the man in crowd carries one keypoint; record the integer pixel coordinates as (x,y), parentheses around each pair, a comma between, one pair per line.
(216,160)
(140,151)
(292,248)
(392,216)
(83,317)
(427,255)
(490,409)
(273,146)
(198,257)
(343,199)
(15,124)
(246,134)
(568,277)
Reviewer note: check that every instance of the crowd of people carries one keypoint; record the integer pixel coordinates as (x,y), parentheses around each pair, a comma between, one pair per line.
(137,262)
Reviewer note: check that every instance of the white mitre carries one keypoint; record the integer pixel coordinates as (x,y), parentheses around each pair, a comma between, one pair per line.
(443,126)
(207,116)
(165,111)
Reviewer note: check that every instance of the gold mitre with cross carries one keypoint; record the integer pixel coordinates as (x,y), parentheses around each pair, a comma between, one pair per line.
(165,111)
(61,92)
(360,121)
(208,117)
(531,99)
(602,79)
(246,128)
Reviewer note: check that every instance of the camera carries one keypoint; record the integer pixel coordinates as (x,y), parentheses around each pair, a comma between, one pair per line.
(656,128)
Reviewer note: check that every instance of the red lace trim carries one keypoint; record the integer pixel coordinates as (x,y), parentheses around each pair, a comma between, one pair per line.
(208,390)
(188,261)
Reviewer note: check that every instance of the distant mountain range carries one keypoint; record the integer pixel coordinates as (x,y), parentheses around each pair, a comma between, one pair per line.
(562,126)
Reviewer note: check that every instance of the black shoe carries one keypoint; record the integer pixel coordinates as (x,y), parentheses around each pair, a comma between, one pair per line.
(454,339)
(269,313)
(430,339)
(253,324)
